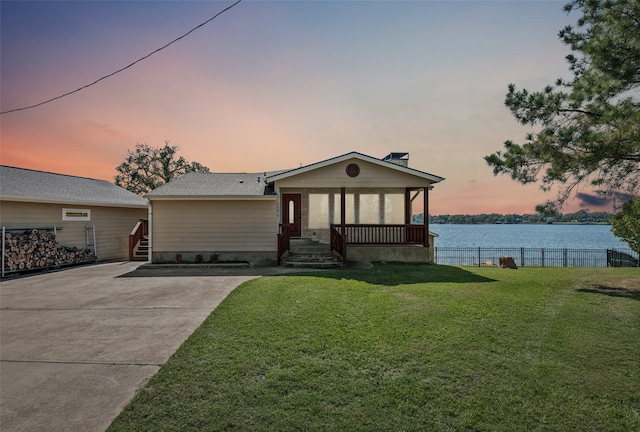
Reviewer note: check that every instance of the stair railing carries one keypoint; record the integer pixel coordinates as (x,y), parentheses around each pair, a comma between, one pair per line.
(284,243)
(339,243)
(139,232)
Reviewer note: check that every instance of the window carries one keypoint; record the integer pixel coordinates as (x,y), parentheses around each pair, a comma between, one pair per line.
(292,212)
(394,208)
(369,209)
(349,216)
(318,211)
(76,214)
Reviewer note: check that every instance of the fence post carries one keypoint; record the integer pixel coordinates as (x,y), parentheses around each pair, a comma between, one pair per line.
(478,256)
(521,257)
(542,257)
(564,257)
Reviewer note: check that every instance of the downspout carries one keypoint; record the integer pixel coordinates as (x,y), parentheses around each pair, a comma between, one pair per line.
(343,211)
(276,190)
(150,233)
(3,242)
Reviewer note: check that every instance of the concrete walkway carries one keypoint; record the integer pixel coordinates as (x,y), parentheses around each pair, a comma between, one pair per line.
(75,345)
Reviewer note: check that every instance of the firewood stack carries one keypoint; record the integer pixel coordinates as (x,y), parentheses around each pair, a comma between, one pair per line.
(35,249)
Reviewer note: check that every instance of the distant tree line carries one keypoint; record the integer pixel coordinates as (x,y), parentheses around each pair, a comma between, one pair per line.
(582,216)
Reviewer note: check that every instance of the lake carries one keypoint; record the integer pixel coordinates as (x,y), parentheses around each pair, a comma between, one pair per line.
(527,236)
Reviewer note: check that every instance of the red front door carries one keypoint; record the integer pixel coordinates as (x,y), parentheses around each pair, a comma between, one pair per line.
(292,213)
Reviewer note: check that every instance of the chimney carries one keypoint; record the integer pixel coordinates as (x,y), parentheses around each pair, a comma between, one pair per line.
(398,158)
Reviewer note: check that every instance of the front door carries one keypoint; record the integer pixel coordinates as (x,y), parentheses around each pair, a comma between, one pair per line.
(292,213)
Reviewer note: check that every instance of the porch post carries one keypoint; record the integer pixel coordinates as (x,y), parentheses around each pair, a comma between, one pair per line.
(407,206)
(343,211)
(426,216)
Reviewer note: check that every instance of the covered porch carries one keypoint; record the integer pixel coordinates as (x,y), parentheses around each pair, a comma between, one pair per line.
(371,223)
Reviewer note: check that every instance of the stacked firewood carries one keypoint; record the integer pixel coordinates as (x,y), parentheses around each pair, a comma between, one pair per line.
(35,249)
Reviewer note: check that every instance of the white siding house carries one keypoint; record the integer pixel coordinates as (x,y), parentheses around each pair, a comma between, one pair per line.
(359,205)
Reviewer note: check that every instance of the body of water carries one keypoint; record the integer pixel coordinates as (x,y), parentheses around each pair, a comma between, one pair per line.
(527,236)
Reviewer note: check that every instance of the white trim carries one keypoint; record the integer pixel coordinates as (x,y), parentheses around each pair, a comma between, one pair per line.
(150,233)
(3,249)
(359,156)
(211,198)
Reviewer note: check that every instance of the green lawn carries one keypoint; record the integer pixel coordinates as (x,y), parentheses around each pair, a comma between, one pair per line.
(408,348)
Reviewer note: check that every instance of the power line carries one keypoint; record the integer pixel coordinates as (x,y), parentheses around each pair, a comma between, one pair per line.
(126,67)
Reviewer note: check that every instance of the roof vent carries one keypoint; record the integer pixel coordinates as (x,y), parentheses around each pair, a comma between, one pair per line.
(398,158)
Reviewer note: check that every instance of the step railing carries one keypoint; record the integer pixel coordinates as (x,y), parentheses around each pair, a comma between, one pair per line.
(339,243)
(284,241)
(140,231)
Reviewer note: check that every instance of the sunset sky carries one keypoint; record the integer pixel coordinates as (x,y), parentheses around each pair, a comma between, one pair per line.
(271,85)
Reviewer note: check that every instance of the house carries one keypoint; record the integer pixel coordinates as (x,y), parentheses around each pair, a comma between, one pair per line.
(359,206)
(83,212)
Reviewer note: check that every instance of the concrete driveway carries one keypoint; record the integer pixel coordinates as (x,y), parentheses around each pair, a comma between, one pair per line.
(75,345)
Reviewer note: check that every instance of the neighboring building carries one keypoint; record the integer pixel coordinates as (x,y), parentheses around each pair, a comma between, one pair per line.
(83,212)
(359,205)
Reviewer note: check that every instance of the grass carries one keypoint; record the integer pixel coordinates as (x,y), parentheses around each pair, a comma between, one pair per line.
(408,348)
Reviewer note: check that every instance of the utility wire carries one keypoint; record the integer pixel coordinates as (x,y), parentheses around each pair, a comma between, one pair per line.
(126,67)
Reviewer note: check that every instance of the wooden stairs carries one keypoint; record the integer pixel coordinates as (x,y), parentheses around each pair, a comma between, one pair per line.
(141,250)
(308,253)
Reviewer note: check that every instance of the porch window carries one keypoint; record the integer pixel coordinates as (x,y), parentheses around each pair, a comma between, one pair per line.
(349,209)
(369,208)
(394,208)
(318,211)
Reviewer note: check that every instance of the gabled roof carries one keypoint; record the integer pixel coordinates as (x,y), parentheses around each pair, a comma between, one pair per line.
(355,155)
(215,185)
(25,185)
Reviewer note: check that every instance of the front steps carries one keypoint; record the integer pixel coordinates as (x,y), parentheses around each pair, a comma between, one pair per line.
(307,253)
(141,250)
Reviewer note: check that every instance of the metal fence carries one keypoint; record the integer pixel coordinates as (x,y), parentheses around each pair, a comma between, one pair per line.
(537,257)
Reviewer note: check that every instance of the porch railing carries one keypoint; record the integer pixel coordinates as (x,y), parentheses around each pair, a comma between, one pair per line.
(139,232)
(339,243)
(284,242)
(383,234)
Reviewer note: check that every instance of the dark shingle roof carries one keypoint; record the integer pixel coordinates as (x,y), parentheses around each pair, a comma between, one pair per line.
(20,184)
(199,184)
